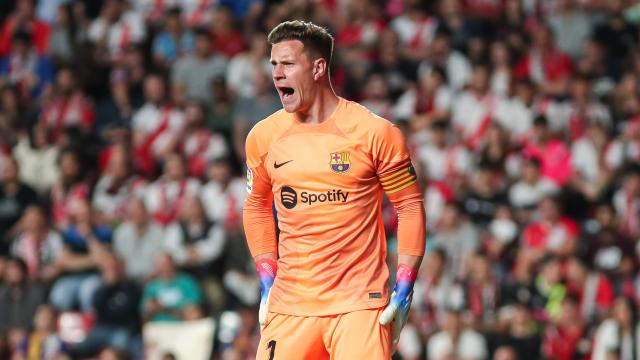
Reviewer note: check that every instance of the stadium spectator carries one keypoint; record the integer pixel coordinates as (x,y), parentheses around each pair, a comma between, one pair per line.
(442,159)
(526,193)
(484,195)
(172,296)
(23,18)
(84,244)
(42,342)
(592,289)
(617,336)
(156,125)
(554,156)
(116,303)
(226,38)
(38,159)
(173,41)
(521,333)
(457,236)
(441,54)
(193,73)
(199,144)
(223,195)
(482,293)
(15,197)
(456,341)
(67,107)
(69,189)
(165,196)
(248,111)
(19,300)
(62,45)
(567,337)
(117,185)
(116,110)
(25,69)
(196,245)
(138,241)
(626,201)
(115,29)
(37,244)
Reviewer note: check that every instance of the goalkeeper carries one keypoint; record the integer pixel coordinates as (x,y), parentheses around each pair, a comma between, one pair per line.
(326,162)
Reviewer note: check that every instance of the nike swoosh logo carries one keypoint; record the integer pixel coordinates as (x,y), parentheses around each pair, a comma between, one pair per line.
(276,165)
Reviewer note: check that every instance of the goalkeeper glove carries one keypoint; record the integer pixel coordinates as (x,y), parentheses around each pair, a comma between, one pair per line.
(267,270)
(398,308)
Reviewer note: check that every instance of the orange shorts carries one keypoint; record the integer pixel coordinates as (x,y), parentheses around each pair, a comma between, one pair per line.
(351,336)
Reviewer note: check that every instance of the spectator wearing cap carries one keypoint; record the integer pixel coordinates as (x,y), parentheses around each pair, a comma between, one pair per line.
(19,300)
(38,245)
(192,74)
(24,68)
(554,155)
(165,196)
(454,340)
(196,245)
(23,18)
(567,337)
(117,185)
(67,107)
(199,144)
(173,41)
(474,108)
(85,242)
(172,295)
(138,241)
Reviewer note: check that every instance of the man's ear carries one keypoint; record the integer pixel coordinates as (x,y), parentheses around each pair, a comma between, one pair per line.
(319,68)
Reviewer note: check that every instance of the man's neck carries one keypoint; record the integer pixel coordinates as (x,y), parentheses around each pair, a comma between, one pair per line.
(321,109)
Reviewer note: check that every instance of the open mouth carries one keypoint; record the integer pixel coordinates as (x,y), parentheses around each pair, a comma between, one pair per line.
(286,91)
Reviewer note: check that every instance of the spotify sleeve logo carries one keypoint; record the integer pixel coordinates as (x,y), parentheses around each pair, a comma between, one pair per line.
(288,197)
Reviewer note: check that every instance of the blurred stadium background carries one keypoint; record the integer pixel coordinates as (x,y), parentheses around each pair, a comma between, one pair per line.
(122,126)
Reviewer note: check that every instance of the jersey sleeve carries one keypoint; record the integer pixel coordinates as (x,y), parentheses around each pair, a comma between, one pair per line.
(399,181)
(258,221)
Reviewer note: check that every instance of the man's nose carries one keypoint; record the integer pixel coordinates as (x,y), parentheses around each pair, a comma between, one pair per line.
(277,72)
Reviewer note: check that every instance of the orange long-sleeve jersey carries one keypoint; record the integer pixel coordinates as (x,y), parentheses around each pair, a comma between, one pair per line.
(328,180)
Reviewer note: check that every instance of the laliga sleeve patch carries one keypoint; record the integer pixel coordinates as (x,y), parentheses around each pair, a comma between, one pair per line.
(249,180)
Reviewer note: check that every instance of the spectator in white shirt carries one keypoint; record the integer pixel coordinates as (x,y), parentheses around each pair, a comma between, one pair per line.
(454,341)
(532,188)
(116,29)
(457,66)
(516,114)
(223,196)
(243,66)
(138,241)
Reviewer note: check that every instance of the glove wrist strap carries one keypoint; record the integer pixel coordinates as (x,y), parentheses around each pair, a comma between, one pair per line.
(267,267)
(405,273)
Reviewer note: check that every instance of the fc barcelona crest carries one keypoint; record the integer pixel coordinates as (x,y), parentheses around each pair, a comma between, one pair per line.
(340,161)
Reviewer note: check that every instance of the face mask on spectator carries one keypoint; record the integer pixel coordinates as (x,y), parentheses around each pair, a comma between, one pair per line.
(503,229)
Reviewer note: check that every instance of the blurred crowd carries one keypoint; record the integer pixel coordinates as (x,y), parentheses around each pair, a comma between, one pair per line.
(122,128)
